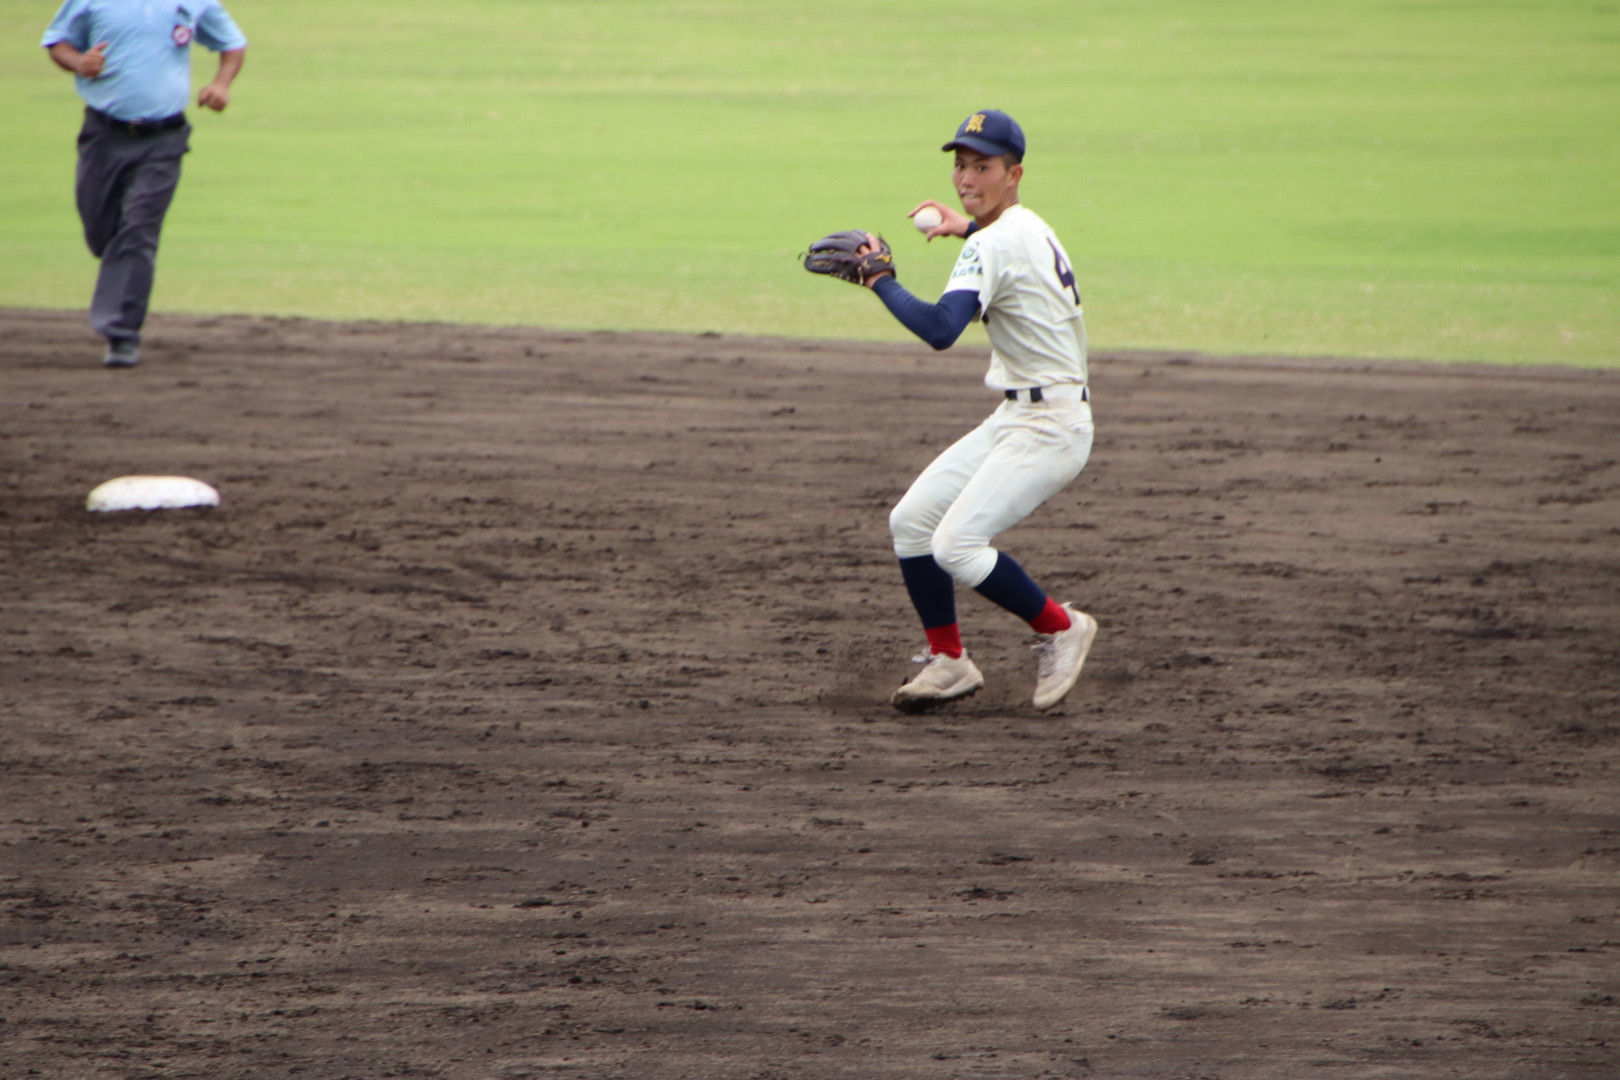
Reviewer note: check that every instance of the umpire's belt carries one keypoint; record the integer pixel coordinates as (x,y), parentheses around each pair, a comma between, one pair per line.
(1048,393)
(139,128)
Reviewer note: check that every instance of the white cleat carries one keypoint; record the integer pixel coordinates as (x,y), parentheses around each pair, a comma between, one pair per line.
(1062,656)
(942,679)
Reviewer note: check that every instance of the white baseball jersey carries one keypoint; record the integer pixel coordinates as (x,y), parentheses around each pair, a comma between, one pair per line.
(1028,300)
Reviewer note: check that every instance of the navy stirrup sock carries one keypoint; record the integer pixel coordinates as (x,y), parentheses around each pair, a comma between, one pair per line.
(1009,587)
(932,590)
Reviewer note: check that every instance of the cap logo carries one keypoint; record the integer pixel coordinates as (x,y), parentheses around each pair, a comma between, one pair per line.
(975,123)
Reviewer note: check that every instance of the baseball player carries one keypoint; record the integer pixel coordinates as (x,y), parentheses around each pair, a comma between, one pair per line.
(1013,276)
(132,62)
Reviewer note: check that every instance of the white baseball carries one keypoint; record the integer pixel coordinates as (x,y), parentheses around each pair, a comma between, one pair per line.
(927,218)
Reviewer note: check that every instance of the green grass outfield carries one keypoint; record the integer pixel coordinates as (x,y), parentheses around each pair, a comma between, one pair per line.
(1378,178)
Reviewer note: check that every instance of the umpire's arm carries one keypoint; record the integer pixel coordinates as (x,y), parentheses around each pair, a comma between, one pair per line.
(87,64)
(217,94)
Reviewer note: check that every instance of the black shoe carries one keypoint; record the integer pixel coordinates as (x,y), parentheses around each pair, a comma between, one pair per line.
(121,352)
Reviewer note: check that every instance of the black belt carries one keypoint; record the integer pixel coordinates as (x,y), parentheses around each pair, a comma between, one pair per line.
(139,128)
(1034,394)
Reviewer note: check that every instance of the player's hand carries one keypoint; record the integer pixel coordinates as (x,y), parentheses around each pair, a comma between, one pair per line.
(92,63)
(873,244)
(214,96)
(953,222)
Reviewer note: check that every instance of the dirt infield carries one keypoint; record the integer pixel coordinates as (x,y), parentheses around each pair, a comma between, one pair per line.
(521,713)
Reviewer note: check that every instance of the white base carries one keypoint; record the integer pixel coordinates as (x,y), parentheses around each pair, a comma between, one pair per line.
(151,493)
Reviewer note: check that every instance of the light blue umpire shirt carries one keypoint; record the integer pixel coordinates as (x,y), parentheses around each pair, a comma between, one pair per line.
(148,72)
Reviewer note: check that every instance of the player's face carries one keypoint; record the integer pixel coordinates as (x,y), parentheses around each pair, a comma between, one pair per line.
(985,184)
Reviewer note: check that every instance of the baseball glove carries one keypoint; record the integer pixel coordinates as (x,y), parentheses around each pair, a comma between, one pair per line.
(839,255)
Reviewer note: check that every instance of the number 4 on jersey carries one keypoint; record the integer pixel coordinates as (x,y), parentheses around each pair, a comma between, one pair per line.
(1064,273)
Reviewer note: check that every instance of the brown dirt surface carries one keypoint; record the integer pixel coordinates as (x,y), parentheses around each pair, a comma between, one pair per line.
(521,712)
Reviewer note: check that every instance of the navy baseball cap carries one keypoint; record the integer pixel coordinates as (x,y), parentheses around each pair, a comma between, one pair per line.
(990,132)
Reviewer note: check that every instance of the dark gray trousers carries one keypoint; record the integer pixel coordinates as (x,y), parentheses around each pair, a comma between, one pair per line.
(124,186)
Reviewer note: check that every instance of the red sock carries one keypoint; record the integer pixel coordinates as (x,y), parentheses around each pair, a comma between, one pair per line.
(1052,619)
(945,639)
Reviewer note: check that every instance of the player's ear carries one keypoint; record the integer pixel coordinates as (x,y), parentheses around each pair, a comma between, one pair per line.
(1016,172)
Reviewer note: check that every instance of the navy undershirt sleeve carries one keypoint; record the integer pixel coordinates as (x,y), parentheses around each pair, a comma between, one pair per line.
(938,324)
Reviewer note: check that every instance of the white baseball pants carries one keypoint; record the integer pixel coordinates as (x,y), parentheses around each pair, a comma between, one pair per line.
(991,479)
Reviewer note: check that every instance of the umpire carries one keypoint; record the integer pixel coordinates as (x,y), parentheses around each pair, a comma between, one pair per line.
(132,62)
